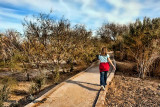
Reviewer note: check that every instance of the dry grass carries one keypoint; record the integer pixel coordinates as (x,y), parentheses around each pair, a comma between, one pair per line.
(130,91)
(19,91)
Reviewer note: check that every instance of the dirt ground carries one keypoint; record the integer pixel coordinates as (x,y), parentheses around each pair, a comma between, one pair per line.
(131,91)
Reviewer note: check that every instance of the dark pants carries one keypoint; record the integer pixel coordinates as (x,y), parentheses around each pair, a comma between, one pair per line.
(103,78)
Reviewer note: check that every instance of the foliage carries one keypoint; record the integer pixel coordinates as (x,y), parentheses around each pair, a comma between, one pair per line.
(140,44)
(1,103)
(137,42)
(9,81)
(7,84)
(56,75)
(47,40)
(10,50)
(37,84)
(4,93)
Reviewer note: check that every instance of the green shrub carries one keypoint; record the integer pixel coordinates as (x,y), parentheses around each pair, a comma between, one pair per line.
(1,103)
(7,84)
(57,75)
(4,93)
(37,84)
(10,81)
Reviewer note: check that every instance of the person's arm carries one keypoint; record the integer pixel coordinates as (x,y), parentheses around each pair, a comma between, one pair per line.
(98,58)
(111,63)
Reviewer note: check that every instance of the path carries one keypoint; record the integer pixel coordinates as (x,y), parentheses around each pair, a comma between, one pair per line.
(81,91)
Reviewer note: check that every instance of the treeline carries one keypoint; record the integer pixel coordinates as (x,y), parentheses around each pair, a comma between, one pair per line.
(47,40)
(138,42)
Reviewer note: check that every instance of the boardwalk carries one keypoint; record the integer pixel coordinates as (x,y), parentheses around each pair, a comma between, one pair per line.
(81,91)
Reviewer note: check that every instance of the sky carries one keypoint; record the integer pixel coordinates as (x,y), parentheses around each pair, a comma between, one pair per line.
(91,13)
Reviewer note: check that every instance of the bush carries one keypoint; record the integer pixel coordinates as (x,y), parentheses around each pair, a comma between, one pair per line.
(57,75)
(7,84)
(37,84)
(4,93)
(11,82)
(1,103)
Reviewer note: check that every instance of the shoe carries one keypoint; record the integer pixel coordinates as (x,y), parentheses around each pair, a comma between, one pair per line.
(105,85)
(102,87)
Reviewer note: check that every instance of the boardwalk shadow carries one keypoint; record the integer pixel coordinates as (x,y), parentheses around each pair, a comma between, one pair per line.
(81,84)
(89,88)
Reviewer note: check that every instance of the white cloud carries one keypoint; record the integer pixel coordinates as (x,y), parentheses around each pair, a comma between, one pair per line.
(151,8)
(87,11)
(124,11)
(10,13)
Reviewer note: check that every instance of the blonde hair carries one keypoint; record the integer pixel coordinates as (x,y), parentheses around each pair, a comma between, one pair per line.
(104,51)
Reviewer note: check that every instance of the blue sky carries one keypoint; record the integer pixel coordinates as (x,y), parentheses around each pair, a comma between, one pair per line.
(91,13)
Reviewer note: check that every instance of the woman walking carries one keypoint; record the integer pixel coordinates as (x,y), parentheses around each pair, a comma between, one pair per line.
(104,67)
